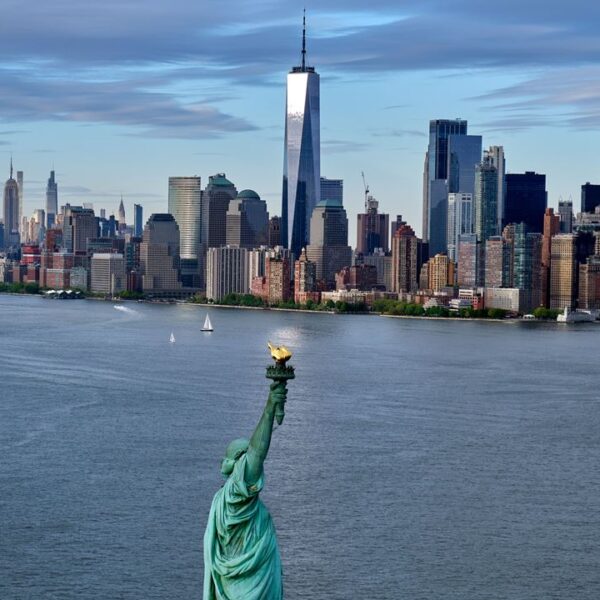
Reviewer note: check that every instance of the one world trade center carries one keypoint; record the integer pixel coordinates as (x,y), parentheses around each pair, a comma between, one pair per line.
(302,154)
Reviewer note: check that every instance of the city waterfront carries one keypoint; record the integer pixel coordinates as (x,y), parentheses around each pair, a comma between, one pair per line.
(434,459)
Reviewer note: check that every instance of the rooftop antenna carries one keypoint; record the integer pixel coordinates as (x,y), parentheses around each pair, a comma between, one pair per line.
(304,40)
(11,166)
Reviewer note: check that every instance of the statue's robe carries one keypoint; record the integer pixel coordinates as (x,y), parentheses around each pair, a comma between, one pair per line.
(241,557)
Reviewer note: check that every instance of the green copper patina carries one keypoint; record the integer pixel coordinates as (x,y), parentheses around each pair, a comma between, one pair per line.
(241,557)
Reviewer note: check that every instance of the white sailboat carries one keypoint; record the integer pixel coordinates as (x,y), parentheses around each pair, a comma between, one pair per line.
(207,324)
(172,338)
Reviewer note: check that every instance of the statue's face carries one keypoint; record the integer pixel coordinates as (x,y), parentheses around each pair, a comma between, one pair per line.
(234,451)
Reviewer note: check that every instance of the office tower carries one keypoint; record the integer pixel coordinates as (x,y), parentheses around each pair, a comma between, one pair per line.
(460,221)
(372,229)
(103,214)
(527,266)
(396,224)
(332,189)
(51,200)
(469,261)
(108,273)
(226,272)
(563,271)
(215,202)
(526,200)
(497,257)
(565,213)
(440,273)
(485,200)
(328,246)
(159,255)
(138,220)
(79,225)
(274,231)
(247,221)
(305,280)
(185,204)
(551,228)
(405,260)
(22,217)
(302,154)
(495,155)
(589,283)
(278,274)
(464,154)
(121,216)
(435,182)
(383,264)
(11,212)
(590,197)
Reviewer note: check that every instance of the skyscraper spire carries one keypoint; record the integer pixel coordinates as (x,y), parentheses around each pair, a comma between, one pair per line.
(304,40)
(11,167)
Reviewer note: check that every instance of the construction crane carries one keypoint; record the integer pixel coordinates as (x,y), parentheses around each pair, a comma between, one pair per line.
(366,192)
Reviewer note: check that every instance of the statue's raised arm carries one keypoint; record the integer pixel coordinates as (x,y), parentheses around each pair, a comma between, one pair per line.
(261,438)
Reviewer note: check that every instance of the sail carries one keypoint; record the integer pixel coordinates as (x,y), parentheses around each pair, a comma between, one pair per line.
(172,338)
(207,324)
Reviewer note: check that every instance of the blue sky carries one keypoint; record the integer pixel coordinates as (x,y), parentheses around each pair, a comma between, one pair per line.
(120,95)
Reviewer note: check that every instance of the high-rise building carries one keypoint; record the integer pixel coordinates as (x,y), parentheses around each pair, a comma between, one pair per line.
(526,200)
(589,283)
(51,200)
(383,264)
(159,255)
(527,266)
(551,228)
(185,204)
(396,224)
(247,221)
(405,260)
(440,273)
(121,216)
(278,279)
(11,212)
(305,279)
(485,199)
(274,231)
(565,214)
(215,202)
(79,225)
(372,229)
(332,189)
(302,154)
(563,271)
(138,220)
(497,257)
(108,273)
(226,272)
(469,261)
(22,217)
(460,221)
(435,182)
(328,246)
(464,154)
(495,155)
(590,197)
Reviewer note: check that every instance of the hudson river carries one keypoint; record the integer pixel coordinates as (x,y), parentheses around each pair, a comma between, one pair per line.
(417,460)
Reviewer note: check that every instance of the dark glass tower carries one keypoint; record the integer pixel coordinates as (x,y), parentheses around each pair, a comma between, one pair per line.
(526,200)
(302,154)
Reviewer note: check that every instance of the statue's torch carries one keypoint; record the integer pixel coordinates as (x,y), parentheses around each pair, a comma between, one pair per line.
(280,372)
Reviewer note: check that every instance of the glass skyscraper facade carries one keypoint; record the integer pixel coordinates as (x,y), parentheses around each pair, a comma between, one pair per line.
(51,200)
(302,155)
(435,182)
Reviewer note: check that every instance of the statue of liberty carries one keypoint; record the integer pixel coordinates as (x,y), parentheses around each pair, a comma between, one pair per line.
(241,556)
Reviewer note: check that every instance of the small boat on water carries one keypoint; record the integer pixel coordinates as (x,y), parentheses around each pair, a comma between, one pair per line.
(576,316)
(172,338)
(207,324)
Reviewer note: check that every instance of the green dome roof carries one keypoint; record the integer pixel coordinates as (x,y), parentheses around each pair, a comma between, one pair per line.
(248,194)
(219,179)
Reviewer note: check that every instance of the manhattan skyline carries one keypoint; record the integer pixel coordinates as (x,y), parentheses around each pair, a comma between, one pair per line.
(117,110)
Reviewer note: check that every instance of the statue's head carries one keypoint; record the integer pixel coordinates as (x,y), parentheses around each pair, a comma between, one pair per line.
(234,451)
